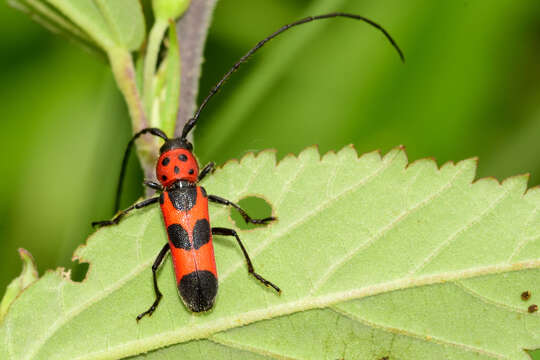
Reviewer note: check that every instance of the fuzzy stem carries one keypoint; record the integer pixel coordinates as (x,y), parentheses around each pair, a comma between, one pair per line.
(124,74)
(192,30)
(150,62)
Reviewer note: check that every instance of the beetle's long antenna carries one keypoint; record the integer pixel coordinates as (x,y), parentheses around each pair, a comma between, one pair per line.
(152,131)
(191,122)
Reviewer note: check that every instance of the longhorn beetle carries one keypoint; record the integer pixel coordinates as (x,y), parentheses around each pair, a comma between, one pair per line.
(184,204)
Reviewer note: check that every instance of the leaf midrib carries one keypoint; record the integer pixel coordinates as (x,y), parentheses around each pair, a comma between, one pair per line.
(194,332)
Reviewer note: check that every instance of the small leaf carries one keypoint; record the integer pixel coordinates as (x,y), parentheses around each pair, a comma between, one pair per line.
(53,20)
(376,258)
(118,23)
(28,275)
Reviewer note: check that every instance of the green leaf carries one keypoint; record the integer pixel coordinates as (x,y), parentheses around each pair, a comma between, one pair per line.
(375,258)
(50,18)
(28,275)
(118,23)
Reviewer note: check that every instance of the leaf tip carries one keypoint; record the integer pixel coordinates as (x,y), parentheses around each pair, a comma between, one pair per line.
(29,274)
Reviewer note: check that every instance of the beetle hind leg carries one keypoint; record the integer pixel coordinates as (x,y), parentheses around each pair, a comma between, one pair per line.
(251,270)
(155,266)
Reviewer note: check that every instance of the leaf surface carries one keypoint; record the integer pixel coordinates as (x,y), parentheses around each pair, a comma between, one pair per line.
(375,258)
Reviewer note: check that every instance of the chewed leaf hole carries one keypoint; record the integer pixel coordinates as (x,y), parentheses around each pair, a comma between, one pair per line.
(255,207)
(78,271)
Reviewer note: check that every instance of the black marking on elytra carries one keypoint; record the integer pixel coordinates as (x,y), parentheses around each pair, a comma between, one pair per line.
(203,192)
(165,161)
(191,171)
(179,236)
(198,290)
(201,233)
(182,157)
(184,198)
(163,177)
(176,170)
(161,199)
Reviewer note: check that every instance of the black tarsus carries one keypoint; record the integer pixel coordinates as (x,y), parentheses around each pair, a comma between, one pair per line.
(191,122)
(207,169)
(219,200)
(251,270)
(152,131)
(155,266)
(123,213)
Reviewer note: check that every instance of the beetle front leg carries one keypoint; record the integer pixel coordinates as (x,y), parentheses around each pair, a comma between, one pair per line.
(206,170)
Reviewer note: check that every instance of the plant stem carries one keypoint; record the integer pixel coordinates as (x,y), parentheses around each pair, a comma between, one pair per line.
(192,30)
(150,62)
(124,74)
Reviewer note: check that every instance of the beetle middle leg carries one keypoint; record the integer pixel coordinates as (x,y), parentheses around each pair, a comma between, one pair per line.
(123,213)
(247,218)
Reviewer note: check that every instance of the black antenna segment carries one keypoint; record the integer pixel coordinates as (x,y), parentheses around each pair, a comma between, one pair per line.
(191,122)
(152,131)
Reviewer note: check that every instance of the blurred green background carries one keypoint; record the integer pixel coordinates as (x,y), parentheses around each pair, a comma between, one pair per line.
(470,87)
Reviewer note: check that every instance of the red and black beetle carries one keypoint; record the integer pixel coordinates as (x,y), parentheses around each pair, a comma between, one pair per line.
(184,204)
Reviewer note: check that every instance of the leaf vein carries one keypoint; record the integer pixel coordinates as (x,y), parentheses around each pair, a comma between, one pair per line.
(309,215)
(370,241)
(487,300)
(251,349)
(431,256)
(423,338)
(525,240)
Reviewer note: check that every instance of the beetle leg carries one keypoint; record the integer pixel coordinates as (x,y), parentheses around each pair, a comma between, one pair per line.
(123,213)
(155,266)
(251,270)
(153,185)
(247,218)
(207,169)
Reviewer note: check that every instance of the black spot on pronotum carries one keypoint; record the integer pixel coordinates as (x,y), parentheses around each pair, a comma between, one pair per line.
(179,236)
(201,233)
(163,177)
(533,308)
(198,290)
(176,170)
(165,161)
(183,199)
(191,171)
(182,157)
(526,295)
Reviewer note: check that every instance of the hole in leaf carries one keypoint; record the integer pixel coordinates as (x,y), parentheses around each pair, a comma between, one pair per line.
(255,207)
(78,271)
